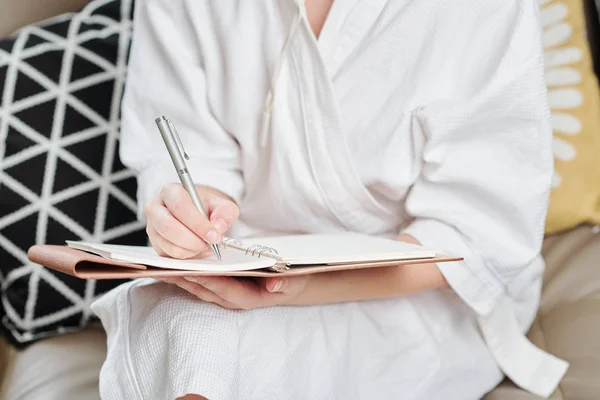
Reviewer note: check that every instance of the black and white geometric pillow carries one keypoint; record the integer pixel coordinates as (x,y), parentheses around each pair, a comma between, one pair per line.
(60,176)
(593,30)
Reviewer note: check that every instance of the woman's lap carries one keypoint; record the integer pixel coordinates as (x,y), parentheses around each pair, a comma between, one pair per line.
(163,343)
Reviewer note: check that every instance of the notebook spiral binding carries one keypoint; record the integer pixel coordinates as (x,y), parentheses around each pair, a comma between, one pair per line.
(257,250)
(231,242)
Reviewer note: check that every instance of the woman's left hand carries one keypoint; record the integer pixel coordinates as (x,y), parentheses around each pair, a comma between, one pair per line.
(242,294)
(327,288)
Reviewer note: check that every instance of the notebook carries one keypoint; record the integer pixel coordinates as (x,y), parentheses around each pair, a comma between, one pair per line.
(294,254)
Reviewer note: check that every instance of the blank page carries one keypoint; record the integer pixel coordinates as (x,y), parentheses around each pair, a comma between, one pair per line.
(232,260)
(340,248)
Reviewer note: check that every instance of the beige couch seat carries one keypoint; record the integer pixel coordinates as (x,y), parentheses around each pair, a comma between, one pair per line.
(568,322)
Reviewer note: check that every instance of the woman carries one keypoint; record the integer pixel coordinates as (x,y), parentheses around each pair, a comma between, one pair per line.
(424,121)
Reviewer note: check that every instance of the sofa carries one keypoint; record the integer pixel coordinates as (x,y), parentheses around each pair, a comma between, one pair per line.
(568,321)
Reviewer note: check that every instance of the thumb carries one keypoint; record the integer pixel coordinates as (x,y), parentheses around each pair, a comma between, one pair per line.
(222,213)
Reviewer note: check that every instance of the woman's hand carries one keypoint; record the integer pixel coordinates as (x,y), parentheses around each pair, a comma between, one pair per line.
(243,294)
(175,226)
(324,288)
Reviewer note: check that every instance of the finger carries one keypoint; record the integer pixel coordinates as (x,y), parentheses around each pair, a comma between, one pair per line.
(174,231)
(180,205)
(201,292)
(155,238)
(164,247)
(223,212)
(275,285)
(290,286)
(245,294)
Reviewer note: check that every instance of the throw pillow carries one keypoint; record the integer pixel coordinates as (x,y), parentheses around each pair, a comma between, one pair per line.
(60,176)
(592,11)
(574,99)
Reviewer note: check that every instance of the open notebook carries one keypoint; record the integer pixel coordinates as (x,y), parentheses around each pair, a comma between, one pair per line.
(295,255)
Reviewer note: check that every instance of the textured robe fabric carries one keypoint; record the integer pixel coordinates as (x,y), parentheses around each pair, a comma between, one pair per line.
(425,117)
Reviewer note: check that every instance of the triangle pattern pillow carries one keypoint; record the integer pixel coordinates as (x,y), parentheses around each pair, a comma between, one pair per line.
(592,10)
(60,176)
(574,98)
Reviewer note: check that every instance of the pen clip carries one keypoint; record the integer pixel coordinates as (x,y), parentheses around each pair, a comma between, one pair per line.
(177,139)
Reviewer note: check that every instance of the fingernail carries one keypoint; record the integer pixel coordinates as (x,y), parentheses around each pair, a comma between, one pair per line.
(221,225)
(277,286)
(191,279)
(213,237)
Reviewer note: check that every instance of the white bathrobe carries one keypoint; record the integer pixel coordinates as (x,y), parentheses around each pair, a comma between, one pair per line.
(425,117)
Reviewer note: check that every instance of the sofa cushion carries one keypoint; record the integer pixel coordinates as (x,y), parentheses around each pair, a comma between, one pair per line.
(61,178)
(574,98)
(568,321)
(63,367)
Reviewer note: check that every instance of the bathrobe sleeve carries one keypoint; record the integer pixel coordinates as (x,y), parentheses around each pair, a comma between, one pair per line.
(487,162)
(166,77)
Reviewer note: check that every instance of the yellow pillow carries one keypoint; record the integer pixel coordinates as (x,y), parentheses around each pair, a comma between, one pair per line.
(574,98)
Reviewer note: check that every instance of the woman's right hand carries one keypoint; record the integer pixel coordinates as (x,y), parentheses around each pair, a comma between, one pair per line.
(176,227)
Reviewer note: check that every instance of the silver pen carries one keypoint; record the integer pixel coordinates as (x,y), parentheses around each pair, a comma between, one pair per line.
(177,153)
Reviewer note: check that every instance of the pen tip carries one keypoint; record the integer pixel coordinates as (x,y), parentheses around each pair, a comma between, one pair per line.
(217,251)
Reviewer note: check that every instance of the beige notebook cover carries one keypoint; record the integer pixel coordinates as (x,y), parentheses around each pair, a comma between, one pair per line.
(292,255)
